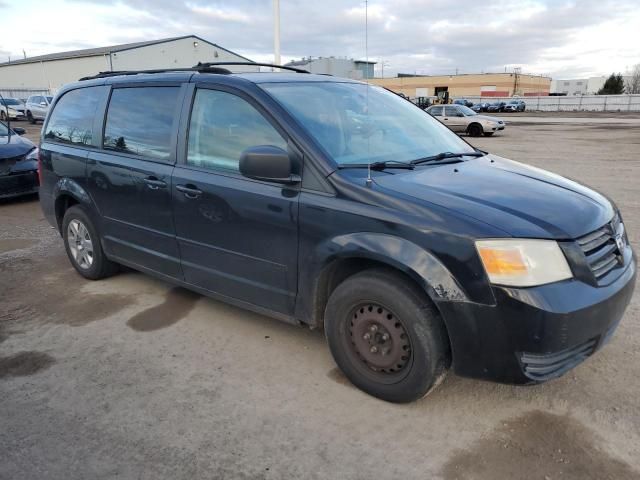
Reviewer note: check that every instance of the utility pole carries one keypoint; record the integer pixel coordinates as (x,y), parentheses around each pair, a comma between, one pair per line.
(276,32)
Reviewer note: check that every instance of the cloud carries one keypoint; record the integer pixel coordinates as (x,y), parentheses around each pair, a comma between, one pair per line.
(435,37)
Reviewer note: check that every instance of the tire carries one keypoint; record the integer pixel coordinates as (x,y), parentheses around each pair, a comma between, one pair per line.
(3,116)
(414,356)
(475,130)
(32,120)
(488,134)
(82,243)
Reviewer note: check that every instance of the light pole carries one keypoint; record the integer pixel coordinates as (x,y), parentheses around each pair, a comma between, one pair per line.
(382,65)
(276,32)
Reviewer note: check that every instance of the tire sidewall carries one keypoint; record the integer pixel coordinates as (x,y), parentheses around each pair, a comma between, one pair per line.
(96,270)
(420,321)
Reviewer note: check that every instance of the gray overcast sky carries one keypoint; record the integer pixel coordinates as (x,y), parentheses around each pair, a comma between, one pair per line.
(563,39)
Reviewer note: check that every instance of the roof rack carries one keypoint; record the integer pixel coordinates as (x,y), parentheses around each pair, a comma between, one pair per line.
(209,67)
(219,64)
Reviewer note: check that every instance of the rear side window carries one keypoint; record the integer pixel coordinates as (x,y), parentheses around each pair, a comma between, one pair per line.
(222,126)
(72,119)
(436,111)
(140,121)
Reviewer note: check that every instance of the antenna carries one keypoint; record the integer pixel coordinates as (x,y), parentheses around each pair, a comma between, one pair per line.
(366,54)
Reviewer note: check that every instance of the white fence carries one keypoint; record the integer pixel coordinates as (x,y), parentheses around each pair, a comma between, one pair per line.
(578,103)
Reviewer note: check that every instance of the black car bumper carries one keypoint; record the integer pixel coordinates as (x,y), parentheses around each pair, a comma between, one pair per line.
(535,334)
(20,183)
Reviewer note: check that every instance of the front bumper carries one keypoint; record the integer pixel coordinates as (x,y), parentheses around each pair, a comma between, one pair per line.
(535,334)
(20,183)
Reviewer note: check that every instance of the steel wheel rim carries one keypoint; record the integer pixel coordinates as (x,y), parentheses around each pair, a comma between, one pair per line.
(378,343)
(80,244)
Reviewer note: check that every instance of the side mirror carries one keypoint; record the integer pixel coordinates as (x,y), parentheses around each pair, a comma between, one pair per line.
(268,163)
(19,130)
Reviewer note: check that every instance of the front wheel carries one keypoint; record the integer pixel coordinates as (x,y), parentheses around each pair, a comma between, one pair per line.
(475,130)
(83,247)
(386,336)
(32,120)
(3,116)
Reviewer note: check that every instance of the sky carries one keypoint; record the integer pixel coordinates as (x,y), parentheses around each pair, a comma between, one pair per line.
(558,38)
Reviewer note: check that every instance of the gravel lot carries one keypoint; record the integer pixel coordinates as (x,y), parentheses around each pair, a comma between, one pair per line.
(132,378)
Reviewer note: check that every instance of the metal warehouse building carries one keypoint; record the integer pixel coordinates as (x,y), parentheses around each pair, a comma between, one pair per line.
(50,72)
(482,84)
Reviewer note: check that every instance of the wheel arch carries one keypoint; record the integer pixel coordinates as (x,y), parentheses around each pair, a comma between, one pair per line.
(67,193)
(353,253)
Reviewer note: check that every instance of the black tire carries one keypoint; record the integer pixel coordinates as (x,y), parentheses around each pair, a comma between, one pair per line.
(475,130)
(32,120)
(396,307)
(99,266)
(488,134)
(3,116)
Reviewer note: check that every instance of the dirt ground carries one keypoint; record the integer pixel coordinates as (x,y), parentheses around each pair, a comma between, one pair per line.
(132,378)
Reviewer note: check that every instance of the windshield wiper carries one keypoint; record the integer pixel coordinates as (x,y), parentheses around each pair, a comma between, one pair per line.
(446,156)
(382,165)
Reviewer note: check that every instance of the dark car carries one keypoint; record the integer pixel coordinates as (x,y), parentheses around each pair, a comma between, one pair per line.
(18,163)
(463,101)
(496,107)
(480,107)
(333,204)
(515,106)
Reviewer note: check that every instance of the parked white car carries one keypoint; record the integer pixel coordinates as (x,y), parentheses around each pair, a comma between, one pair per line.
(462,119)
(37,107)
(11,108)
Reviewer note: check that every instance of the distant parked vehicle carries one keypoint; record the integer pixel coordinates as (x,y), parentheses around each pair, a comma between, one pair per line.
(463,101)
(462,119)
(11,108)
(496,107)
(37,107)
(18,163)
(515,106)
(480,107)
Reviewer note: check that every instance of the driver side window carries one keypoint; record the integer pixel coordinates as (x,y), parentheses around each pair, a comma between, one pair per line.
(222,126)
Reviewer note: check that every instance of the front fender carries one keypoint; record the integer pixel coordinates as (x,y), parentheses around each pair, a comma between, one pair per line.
(421,265)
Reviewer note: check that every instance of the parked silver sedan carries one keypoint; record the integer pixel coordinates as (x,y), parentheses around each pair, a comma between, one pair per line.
(462,119)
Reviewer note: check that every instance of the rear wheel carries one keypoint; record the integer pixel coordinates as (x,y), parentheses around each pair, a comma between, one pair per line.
(475,129)
(83,247)
(386,336)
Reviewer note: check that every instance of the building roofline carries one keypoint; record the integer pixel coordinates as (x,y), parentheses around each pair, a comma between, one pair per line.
(108,50)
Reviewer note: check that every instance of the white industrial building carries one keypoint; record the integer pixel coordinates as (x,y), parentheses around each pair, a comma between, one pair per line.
(50,72)
(339,67)
(580,86)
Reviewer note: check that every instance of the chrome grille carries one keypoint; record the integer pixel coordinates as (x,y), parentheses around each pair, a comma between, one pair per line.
(600,248)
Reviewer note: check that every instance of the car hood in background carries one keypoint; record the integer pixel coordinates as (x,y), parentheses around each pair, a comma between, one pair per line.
(12,149)
(520,200)
(488,118)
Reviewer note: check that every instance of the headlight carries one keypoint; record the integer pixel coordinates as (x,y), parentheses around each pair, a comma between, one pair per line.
(33,154)
(523,263)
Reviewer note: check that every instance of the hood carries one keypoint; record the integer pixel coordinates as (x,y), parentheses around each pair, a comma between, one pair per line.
(488,118)
(521,200)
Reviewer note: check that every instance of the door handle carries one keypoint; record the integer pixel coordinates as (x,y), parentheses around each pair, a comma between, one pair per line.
(153,183)
(190,191)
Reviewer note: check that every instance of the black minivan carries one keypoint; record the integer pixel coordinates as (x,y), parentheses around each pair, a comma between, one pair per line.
(334,204)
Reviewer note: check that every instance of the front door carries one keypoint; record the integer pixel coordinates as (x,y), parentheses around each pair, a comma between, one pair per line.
(130,178)
(453,120)
(237,237)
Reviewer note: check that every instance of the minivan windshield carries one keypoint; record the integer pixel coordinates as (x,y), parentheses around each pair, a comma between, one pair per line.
(356,124)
